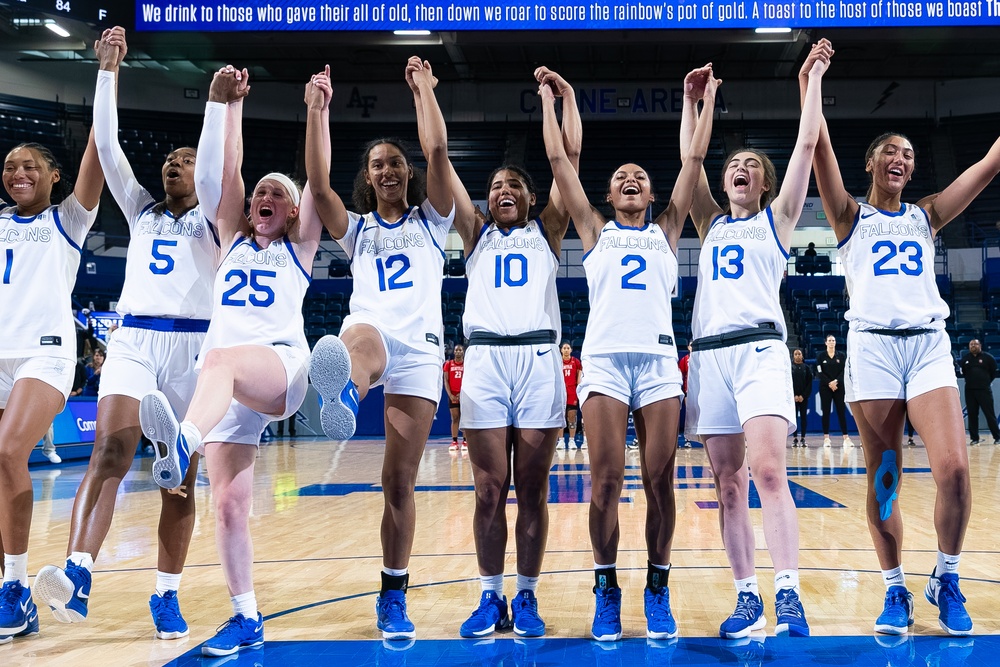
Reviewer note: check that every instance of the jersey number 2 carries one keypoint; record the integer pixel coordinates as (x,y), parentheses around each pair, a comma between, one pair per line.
(627,279)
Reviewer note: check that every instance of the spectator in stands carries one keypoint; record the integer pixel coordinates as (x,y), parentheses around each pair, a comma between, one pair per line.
(513,394)
(802,389)
(740,391)
(254,360)
(393,335)
(830,370)
(979,370)
(899,357)
(79,379)
(42,234)
(630,353)
(93,385)
(166,303)
(810,250)
(572,374)
(453,370)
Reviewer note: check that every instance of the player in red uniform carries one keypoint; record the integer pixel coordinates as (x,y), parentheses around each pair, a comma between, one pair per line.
(572,372)
(453,370)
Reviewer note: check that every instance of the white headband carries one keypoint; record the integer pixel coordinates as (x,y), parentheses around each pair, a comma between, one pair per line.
(286,182)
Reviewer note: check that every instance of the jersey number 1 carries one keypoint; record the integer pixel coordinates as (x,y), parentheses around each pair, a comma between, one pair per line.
(9,265)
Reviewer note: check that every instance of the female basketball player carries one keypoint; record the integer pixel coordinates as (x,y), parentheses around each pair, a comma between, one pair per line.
(899,358)
(393,335)
(42,235)
(166,303)
(630,355)
(514,394)
(253,363)
(740,390)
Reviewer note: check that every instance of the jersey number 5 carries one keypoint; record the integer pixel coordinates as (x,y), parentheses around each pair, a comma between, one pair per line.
(160,256)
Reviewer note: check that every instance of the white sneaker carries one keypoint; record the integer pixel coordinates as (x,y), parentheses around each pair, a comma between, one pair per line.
(52,456)
(848,443)
(826,441)
(583,445)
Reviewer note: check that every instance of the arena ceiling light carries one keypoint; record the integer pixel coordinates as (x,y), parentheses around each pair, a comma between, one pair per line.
(56,28)
(411,33)
(772,31)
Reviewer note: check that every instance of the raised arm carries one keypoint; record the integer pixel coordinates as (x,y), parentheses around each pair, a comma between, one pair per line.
(587,219)
(692,159)
(433,139)
(787,206)
(838,204)
(467,222)
(946,205)
(556,215)
(117,170)
(703,207)
(318,93)
(229,87)
(326,203)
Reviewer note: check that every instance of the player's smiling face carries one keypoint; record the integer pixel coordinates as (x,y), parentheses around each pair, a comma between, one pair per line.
(510,199)
(178,172)
(388,173)
(892,164)
(271,208)
(744,180)
(28,179)
(630,190)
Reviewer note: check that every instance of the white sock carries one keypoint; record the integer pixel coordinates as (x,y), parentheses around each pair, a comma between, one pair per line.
(526,583)
(492,582)
(246,604)
(894,577)
(15,568)
(82,559)
(786,579)
(395,573)
(192,435)
(748,585)
(167,582)
(947,563)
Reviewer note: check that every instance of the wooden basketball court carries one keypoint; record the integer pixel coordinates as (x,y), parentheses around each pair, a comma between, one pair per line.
(317,509)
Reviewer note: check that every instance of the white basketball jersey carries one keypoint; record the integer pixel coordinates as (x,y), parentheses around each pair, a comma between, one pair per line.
(39,258)
(170,265)
(888,261)
(258,297)
(398,268)
(512,282)
(739,276)
(632,274)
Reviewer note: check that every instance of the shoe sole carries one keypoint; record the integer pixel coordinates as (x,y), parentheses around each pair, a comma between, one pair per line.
(329,371)
(529,633)
(172,635)
(607,638)
(219,652)
(501,625)
(950,631)
(892,629)
(53,588)
(399,636)
(661,635)
(160,426)
(791,630)
(757,625)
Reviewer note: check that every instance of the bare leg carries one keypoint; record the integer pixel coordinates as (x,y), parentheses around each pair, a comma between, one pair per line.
(230,469)
(533,450)
(489,453)
(765,437)
(727,455)
(656,426)
(606,419)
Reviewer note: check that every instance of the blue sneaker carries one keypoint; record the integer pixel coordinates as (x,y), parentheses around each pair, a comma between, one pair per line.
(236,633)
(167,617)
(897,612)
(524,610)
(791,616)
(330,373)
(171,450)
(65,591)
(18,613)
(489,617)
(943,593)
(607,626)
(747,617)
(660,623)
(390,608)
